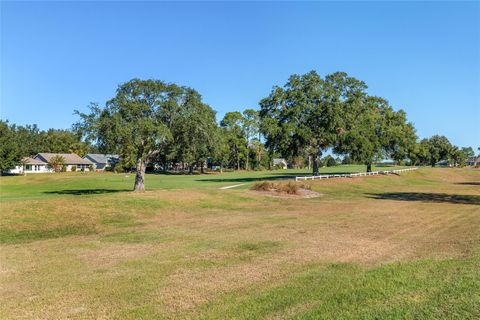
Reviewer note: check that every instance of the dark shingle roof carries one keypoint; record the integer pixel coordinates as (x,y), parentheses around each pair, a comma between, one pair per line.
(102,158)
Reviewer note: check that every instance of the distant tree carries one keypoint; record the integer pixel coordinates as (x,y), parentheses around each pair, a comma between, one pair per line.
(418,154)
(30,140)
(193,132)
(329,161)
(57,140)
(233,123)
(303,117)
(57,163)
(347,160)
(258,153)
(79,148)
(370,129)
(361,132)
(10,154)
(439,148)
(251,126)
(468,151)
(221,150)
(398,134)
(458,157)
(137,122)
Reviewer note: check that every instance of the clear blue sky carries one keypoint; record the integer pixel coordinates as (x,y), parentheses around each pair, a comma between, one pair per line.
(422,57)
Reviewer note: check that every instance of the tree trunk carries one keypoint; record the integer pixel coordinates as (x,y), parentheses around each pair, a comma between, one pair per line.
(246,165)
(221,168)
(369,167)
(190,169)
(202,171)
(315,166)
(140,176)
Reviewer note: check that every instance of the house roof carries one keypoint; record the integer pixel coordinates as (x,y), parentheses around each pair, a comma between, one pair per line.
(70,158)
(102,158)
(33,161)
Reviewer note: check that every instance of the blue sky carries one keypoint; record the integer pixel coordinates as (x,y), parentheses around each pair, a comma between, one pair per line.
(422,57)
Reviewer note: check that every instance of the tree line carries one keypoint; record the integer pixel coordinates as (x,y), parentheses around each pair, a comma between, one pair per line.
(151,123)
(17,142)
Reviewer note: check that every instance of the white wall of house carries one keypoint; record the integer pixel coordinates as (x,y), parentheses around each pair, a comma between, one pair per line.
(30,168)
(16,170)
(36,168)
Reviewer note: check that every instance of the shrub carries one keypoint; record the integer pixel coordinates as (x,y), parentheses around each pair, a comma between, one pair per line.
(263,186)
(74,168)
(119,169)
(331,162)
(298,162)
(57,163)
(289,187)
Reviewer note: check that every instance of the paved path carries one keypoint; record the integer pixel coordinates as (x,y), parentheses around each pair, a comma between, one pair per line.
(234,186)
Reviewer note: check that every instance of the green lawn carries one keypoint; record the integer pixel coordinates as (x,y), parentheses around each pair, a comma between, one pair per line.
(37,186)
(81,246)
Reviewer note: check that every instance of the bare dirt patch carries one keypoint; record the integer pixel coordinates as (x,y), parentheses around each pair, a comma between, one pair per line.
(301,193)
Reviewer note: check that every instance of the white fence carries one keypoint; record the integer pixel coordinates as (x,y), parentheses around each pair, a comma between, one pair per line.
(352,175)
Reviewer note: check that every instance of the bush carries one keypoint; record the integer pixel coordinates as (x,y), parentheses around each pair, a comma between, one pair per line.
(263,186)
(119,169)
(74,168)
(64,168)
(331,162)
(347,160)
(289,187)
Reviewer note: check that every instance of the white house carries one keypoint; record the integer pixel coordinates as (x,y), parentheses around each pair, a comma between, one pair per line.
(39,163)
(30,165)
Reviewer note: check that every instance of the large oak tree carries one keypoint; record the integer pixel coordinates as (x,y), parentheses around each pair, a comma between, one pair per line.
(137,122)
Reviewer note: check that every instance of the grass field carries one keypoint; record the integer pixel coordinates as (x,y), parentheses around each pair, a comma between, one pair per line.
(82,246)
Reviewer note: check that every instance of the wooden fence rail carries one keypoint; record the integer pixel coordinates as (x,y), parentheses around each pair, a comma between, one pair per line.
(352,175)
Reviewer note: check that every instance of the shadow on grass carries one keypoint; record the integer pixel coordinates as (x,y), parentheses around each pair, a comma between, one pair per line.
(83,192)
(469,183)
(428,197)
(283,177)
(267,176)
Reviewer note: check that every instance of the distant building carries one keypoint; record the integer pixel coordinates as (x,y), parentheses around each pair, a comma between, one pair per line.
(39,163)
(102,161)
(72,160)
(473,161)
(30,165)
(280,162)
(443,163)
